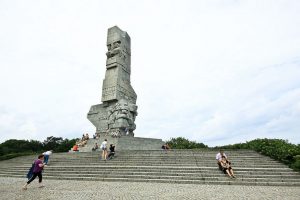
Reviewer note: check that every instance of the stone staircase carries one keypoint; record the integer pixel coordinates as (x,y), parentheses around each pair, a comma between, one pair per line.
(177,166)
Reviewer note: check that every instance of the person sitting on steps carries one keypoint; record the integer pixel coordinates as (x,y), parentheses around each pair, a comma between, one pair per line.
(226,167)
(75,147)
(95,147)
(165,147)
(219,158)
(112,152)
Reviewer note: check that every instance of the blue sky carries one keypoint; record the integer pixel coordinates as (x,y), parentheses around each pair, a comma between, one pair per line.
(218,72)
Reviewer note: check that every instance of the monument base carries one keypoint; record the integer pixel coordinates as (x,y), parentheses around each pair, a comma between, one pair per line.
(125,143)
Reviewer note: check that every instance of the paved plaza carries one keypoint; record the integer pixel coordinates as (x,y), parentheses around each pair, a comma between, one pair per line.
(10,188)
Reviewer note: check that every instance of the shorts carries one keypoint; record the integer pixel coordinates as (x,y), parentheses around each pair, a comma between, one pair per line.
(104,148)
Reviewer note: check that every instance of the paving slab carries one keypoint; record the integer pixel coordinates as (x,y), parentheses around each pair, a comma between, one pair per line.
(10,188)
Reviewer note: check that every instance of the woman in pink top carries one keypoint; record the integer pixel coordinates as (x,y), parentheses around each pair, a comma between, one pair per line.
(37,171)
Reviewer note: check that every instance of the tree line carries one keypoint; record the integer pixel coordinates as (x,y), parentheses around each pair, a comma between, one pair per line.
(13,148)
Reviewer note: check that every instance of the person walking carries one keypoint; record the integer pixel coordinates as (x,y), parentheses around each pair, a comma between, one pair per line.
(104,149)
(46,156)
(37,171)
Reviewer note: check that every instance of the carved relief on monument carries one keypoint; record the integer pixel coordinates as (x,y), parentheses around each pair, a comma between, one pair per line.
(118,111)
(122,116)
(114,49)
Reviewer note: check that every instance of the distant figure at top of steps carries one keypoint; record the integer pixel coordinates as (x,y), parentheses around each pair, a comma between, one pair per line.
(95,147)
(95,136)
(85,137)
(75,147)
(165,147)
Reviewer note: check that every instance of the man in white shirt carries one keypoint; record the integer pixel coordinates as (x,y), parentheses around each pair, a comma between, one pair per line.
(46,156)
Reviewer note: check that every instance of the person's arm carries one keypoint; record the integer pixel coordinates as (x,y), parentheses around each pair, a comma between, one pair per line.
(40,163)
(223,164)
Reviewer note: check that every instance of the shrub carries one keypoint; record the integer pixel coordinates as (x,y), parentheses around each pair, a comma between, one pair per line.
(182,143)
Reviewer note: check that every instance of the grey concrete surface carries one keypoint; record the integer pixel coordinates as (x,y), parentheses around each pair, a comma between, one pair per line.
(10,188)
(118,110)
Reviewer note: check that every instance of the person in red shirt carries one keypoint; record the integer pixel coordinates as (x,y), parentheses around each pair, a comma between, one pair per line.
(37,171)
(75,147)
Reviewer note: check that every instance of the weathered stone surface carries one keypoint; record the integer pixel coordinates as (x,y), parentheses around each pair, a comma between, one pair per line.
(116,115)
(114,118)
(70,190)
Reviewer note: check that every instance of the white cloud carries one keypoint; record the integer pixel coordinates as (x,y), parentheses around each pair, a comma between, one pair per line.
(213,71)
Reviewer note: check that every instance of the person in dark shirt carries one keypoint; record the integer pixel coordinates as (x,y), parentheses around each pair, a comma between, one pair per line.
(226,167)
(112,152)
(95,147)
(37,171)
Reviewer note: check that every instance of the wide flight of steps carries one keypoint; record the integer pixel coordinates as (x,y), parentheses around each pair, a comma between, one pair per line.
(177,166)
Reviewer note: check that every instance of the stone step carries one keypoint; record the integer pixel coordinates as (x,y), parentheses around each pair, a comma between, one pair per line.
(176,177)
(81,155)
(240,174)
(279,171)
(120,159)
(186,166)
(182,181)
(117,160)
(274,167)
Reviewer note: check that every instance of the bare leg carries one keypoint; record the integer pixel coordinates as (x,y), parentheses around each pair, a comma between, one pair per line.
(227,171)
(25,186)
(105,154)
(231,172)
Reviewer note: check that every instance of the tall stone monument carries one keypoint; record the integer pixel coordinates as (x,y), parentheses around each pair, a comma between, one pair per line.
(116,115)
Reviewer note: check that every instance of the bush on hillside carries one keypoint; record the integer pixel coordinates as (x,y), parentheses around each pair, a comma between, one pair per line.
(182,143)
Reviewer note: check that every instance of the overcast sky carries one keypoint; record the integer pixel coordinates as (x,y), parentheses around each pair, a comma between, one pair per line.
(217,72)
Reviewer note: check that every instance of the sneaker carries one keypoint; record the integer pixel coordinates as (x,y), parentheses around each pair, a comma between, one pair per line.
(41,186)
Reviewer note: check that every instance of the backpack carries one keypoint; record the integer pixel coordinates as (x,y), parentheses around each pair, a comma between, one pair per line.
(30,171)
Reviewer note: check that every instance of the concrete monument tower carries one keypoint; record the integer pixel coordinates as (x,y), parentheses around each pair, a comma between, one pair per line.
(114,118)
(116,115)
